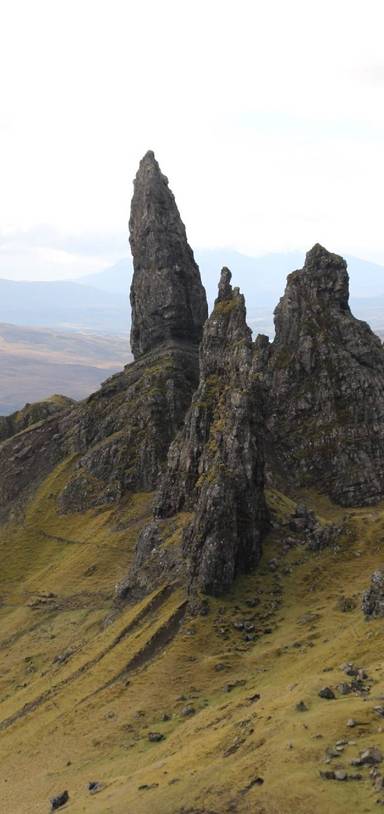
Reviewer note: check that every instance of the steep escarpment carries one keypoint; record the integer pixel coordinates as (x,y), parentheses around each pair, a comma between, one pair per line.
(121,434)
(167,297)
(124,430)
(324,378)
(215,465)
(118,438)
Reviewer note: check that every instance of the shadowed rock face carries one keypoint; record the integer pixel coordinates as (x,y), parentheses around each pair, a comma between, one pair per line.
(167,296)
(324,376)
(215,464)
(119,437)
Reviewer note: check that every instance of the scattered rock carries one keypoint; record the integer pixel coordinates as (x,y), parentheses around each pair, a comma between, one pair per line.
(327,693)
(94,786)
(371,756)
(253,698)
(188,711)
(344,688)
(155,737)
(148,786)
(301,707)
(258,781)
(59,801)
(61,658)
(340,774)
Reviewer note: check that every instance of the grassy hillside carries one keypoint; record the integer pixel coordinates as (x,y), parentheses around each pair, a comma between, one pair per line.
(83,684)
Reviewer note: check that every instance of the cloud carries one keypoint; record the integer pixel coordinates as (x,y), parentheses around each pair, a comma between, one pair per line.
(43,253)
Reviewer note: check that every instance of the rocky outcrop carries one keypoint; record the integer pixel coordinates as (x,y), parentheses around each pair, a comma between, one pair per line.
(117,439)
(373,598)
(215,465)
(26,459)
(31,414)
(167,297)
(123,431)
(324,379)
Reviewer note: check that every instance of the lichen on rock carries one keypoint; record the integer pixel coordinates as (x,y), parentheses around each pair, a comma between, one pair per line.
(324,379)
(215,464)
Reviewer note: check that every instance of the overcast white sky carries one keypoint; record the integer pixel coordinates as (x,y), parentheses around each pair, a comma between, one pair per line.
(266,115)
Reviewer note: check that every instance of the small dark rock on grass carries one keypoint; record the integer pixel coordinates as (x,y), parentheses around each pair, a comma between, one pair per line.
(188,711)
(327,693)
(155,737)
(94,786)
(370,757)
(59,801)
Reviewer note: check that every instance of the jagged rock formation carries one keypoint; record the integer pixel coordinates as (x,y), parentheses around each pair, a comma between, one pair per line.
(32,413)
(373,598)
(123,431)
(167,297)
(117,439)
(315,535)
(215,465)
(324,379)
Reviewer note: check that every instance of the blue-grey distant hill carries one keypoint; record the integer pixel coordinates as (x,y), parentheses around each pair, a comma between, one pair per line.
(64,305)
(100,302)
(262,280)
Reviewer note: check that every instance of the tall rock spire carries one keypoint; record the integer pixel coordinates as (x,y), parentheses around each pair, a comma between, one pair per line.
(325,382)
(167,296)
(215,469)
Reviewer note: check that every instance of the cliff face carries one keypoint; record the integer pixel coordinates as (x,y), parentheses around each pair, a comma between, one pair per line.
(167,297)
(324,375)
(215,465)
(122,433)
(124,430)
(119,437)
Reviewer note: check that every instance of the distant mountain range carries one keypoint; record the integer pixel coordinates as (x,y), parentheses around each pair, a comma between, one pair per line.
(100,302)
(261,279)
(64,305)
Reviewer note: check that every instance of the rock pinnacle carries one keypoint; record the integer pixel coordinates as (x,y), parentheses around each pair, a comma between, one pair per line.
(167,296)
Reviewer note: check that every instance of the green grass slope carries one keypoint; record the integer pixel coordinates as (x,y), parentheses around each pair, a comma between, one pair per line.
(82,684)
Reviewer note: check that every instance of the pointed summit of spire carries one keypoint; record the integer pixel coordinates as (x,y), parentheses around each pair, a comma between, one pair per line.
(167,296)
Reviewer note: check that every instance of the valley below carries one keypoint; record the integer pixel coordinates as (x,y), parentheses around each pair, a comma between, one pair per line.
(36,362)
